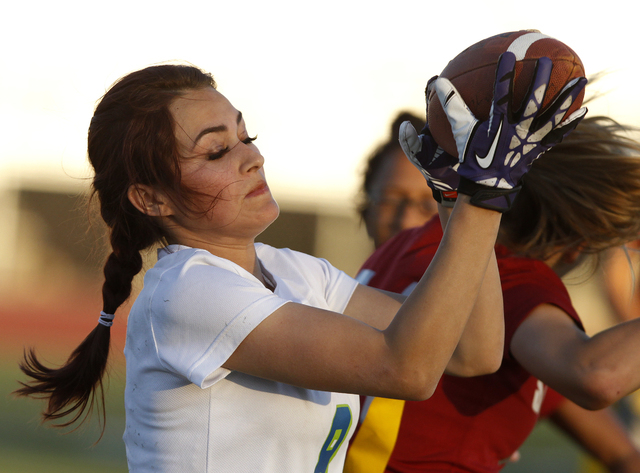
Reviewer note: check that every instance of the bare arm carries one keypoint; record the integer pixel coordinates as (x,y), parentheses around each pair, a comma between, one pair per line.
(480,348)
(592,372)
(323,350)
(601,434)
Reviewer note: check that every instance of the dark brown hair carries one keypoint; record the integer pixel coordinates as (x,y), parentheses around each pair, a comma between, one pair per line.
(584,194)
(131,141)
(375,163)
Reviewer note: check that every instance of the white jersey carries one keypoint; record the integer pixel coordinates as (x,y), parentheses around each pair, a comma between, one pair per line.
(184,412)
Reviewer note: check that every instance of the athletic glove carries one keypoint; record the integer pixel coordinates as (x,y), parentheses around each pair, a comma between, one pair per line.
(495,154)
(430,159)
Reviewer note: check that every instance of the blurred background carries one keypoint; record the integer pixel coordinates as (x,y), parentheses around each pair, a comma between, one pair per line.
(319,83)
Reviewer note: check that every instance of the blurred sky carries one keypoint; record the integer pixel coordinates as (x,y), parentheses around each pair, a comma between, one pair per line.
(318,82)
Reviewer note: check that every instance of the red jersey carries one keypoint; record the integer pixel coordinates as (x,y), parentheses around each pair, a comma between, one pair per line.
(469,424)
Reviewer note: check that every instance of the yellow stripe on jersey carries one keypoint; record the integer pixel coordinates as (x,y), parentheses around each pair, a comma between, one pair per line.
(374,442)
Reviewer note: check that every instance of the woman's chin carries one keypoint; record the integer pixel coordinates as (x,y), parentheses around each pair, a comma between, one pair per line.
(271,213)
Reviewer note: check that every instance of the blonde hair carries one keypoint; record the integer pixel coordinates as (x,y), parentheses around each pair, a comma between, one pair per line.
(584,194)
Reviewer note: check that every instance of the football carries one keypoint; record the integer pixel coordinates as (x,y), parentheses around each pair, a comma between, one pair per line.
(473,73)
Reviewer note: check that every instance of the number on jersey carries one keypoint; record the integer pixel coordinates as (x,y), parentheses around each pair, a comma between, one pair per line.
(339,430)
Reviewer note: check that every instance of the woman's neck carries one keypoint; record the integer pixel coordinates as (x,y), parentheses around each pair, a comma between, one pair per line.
(241,253)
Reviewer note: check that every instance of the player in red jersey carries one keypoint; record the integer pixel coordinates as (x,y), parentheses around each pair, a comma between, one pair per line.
(470,430)
(474,424)
(394,198)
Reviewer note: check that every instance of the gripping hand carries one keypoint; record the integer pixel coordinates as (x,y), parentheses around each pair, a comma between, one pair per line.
(495,154)
(431,160)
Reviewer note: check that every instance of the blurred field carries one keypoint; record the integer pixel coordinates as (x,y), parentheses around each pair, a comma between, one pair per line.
(55,328)
(548,450)
(26,446)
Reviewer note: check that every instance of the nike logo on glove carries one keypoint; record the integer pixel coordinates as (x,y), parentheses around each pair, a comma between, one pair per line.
(486,161)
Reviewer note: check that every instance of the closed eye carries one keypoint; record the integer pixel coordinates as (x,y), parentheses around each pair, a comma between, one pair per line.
(218,155)
(221,153)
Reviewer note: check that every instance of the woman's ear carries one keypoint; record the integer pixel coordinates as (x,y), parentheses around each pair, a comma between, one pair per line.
(149,201)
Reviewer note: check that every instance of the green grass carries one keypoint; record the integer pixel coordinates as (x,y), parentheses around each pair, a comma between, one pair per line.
(28,446)
(549,450)
(21,461)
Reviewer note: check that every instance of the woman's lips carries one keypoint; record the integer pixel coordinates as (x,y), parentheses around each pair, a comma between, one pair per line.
(259,190)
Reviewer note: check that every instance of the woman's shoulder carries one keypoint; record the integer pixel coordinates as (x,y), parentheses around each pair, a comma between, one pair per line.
(517,266)
(529,282)
(189,282)
(294,265)
(177,255)
(286,257)
(184,267)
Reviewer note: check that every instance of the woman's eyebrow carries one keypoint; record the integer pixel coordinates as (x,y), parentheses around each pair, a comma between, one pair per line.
(215,129)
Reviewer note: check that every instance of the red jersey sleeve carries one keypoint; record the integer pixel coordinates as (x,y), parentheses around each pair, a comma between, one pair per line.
(526,284)
(400,263)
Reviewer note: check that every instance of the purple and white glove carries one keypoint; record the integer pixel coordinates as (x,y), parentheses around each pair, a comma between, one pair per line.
(495,154)
(431,160)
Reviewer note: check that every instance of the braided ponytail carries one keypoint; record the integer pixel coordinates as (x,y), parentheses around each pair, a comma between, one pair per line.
(124,263)
(131,141)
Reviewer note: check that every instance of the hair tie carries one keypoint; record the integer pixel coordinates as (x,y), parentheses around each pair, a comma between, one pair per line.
(106,319)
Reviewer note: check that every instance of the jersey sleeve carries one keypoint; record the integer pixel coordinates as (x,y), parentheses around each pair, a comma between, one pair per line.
(400,262)
(526,284)
(309,280)
(336,285)
(202,314)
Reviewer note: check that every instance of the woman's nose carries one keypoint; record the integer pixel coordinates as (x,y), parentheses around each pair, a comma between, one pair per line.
(252,159)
